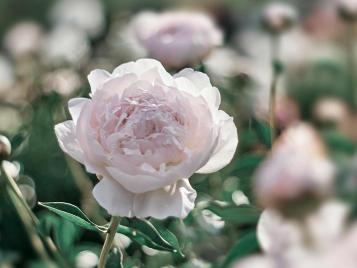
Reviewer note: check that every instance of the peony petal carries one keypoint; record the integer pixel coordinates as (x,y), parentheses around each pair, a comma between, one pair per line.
(200,80)
(137,183)
(97,78)
(75,107)
(141,66)
(67,140)
(212,96)
(186,85)
(176,200)
(226,146)
(114,198)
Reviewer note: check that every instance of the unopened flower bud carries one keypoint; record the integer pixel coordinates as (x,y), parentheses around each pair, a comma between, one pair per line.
(5,148)
(297,176)
(278,17)
(347,10)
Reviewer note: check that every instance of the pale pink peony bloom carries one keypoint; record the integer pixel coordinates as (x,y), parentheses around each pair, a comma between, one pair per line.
(177,39)
(297,167)
(144,133)
(23,39)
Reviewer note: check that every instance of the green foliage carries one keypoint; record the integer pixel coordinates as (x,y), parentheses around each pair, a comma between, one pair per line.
(245,246)
(239,215)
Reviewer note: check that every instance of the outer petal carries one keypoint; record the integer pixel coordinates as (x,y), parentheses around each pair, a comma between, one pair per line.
(200,85)
(67,140)
(201,80)
(114,198)
(97,78)
(141,66)
(226,147)
(176,200)
(75,107)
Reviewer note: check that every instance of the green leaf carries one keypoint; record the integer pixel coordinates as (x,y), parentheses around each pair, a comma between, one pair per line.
(64,232)
(145,233)
(73,214)
(245,246)
(115,259)
(339,142)
(246,164)
(242,215)
(263,132)
(169,237)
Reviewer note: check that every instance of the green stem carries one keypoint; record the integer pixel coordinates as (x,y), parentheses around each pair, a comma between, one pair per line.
(114,223)
(29,228)
(273,86)
(351,63)
(27,214)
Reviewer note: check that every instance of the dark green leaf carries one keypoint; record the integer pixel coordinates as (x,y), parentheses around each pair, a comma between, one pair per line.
(145,233)
(263,132)
(245,246)
(339,142)
(73,214)
(115,259)
(243,214)
(246,164)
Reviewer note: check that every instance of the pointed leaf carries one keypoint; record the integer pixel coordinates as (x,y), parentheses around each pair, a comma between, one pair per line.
(245,246)
(73,214)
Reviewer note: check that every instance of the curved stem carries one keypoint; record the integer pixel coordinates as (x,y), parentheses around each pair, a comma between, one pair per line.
(26,214)
(114,223)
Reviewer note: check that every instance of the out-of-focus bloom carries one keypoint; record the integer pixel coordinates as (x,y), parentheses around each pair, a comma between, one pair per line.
(278,17)
(144,133)
(225,64)
(284,244)
(177,39)
(87,15)
(23,39)
(330,110)
(296,171)
(239,198)
(12,168)
(256,262)
(86,259)
(11,119)
(62,81)
(275,234)
(65,45)
(347,10)
(7,75)
(210,221)
(5,148)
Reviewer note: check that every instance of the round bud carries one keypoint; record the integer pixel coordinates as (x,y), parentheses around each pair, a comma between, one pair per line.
(347,10)
(278,17)
(5,148)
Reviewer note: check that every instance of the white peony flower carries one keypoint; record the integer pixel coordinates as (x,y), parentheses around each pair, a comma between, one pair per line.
(177,39)
(23,39)
(87,15)
(144,133)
